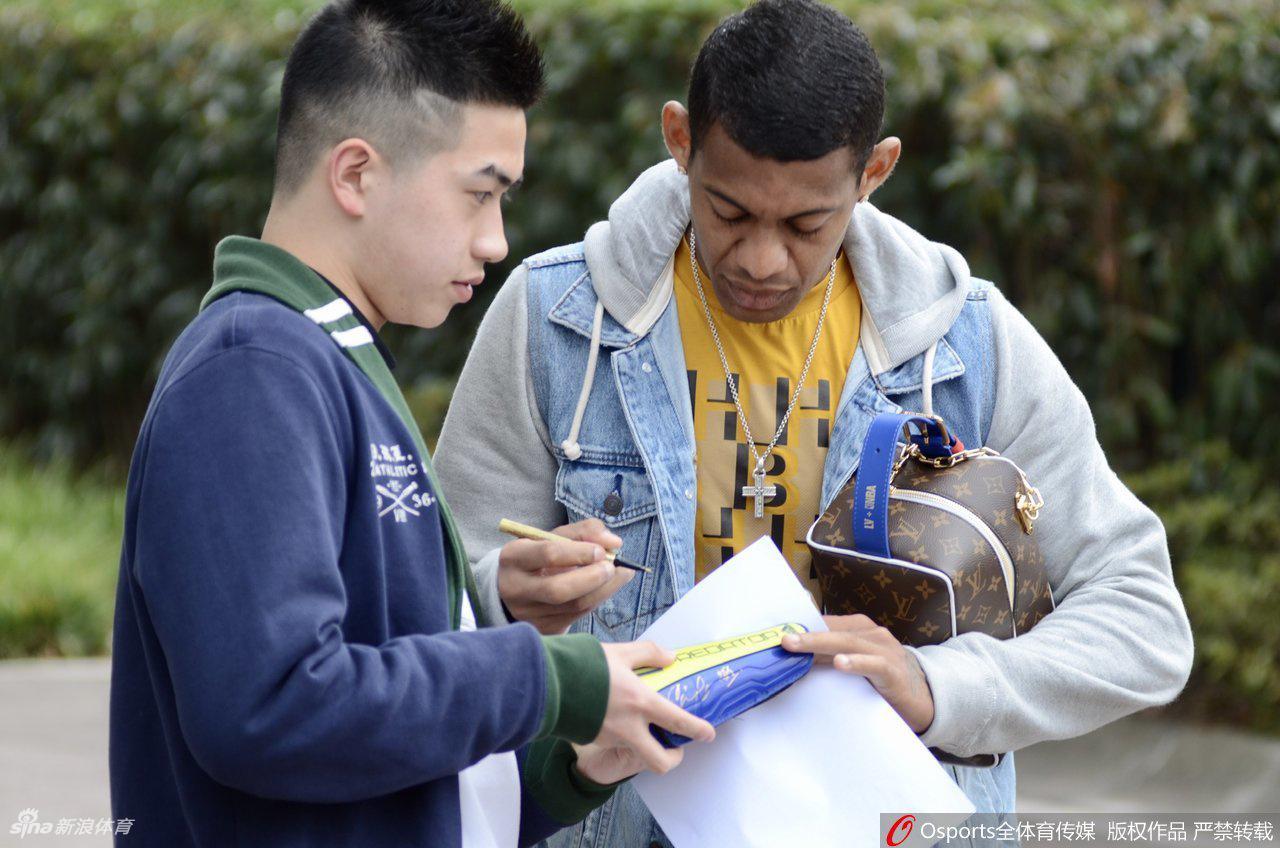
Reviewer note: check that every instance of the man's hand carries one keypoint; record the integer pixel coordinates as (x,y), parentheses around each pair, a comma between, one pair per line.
(625,746)
(553,584)
(858,645)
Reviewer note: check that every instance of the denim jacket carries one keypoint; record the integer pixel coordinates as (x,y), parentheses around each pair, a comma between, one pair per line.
(640,418)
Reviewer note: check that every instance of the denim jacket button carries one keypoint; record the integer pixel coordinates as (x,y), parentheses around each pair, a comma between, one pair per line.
(646,367)
(688,493)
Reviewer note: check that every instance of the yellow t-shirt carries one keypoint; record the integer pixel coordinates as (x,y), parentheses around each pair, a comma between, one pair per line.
(768,357)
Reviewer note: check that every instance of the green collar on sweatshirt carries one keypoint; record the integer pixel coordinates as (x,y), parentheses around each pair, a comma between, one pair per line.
(251,265)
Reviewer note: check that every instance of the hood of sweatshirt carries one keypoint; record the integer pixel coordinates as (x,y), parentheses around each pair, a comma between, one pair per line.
(912,289)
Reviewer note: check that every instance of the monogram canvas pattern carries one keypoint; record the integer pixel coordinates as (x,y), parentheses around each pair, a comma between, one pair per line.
(957,576)
(987,485)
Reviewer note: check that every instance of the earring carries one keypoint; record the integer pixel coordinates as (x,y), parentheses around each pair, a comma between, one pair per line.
(681,169)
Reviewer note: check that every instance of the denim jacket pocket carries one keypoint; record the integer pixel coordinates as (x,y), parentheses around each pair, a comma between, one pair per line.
(622,497)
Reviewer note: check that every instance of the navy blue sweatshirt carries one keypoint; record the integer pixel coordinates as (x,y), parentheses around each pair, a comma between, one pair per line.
(286,666)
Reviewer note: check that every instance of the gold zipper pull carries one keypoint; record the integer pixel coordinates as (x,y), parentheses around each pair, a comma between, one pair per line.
(1029,503)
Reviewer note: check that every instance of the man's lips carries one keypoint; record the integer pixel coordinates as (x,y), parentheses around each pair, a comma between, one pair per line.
(464,287)
(756,298)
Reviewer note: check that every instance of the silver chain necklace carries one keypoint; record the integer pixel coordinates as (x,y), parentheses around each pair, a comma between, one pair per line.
(759,491)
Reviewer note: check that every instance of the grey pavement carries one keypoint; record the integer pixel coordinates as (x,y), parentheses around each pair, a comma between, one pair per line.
(1148,765)
(53,758)
(53,745)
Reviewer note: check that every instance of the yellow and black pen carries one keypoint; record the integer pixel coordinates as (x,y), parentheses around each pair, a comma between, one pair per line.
(524,531)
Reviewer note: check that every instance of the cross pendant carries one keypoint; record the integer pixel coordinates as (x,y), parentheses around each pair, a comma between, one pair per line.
(759,491)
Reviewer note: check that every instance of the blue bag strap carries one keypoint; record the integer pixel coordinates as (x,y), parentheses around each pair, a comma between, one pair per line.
(871,485)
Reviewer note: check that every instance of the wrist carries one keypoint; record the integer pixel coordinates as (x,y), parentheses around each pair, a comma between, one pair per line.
(921,697)
(920,722)
(588,782)
(583,772)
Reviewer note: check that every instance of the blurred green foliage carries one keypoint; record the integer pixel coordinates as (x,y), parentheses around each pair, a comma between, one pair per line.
(1223,518)
(59,549)
(1113,166)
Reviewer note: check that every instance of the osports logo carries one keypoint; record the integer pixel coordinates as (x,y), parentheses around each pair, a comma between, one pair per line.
(900,830)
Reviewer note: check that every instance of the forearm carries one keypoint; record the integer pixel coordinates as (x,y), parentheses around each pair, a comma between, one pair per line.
(1119,639)
(349,722)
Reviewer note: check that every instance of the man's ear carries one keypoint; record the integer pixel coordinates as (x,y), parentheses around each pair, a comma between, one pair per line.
(351,166)
(675,132)
(880,165)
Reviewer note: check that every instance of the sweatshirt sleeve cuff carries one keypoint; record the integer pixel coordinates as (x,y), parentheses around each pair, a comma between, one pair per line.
(577,690)
(963,699)
(557,787)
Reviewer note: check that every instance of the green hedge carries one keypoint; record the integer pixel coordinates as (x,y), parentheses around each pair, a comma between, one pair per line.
(1225,539)
(1114,166)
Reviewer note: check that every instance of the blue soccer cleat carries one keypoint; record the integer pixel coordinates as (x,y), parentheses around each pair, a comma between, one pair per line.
(719,680)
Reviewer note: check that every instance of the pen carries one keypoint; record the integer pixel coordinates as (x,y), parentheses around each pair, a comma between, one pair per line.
(524,531)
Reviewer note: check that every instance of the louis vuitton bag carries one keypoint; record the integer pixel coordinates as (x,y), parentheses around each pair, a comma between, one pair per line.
(932,540)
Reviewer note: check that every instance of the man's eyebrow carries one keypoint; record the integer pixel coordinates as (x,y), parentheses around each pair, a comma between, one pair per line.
(502,177)
(727,199)
(821,210)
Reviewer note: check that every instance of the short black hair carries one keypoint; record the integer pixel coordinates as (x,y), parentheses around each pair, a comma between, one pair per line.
(789,80)
(394,72)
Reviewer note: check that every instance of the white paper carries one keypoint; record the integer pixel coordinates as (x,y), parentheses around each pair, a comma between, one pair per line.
(488,791)
(814,766)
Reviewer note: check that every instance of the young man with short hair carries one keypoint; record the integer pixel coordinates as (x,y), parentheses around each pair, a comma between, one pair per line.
(754,253)
(291,663)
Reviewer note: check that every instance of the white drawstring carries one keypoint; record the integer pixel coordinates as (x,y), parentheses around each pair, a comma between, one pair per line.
(926,386)
(572,450)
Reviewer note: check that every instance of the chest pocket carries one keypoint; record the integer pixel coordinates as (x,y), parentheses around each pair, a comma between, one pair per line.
(621,496)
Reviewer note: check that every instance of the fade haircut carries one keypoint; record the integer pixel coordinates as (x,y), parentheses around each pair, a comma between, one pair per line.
(789,80)
(396,74)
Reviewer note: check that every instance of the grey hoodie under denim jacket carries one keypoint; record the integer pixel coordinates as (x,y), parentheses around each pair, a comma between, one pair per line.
(576,386)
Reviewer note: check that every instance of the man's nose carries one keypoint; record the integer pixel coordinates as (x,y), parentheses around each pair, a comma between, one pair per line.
(763,256)
(490,244)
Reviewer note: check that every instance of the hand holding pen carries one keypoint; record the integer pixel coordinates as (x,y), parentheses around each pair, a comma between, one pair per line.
(524,531)
(556,578)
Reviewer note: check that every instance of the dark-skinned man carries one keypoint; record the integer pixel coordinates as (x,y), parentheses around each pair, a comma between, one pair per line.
(598,388)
